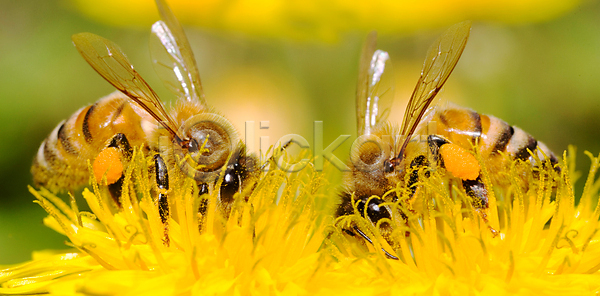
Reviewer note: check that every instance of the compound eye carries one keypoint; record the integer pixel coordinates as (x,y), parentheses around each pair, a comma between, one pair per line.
(388,166)
(230,184)
(192,146)
(375,212)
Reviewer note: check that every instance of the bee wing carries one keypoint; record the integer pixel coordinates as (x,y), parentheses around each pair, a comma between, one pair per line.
(174,60)
(441,59)
(374,93)
(111,63)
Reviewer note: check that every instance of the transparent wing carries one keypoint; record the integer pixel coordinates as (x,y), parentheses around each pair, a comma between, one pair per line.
(374,94)
(441,59)
(174,61)
(111,63)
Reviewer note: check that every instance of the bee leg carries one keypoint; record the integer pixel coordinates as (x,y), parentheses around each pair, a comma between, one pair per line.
(374,212)
(463,165)
(460,162)
(120,142)
(203,206)
(162,181)
(474,187)
(109,164)
(479,194)
(417,163)
(115,190)
(367,238)
(477,191)
(435,142)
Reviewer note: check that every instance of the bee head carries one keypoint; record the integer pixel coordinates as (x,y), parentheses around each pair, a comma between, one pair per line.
(207,145)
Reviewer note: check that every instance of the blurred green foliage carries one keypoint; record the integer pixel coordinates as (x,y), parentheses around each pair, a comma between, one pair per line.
(541,77)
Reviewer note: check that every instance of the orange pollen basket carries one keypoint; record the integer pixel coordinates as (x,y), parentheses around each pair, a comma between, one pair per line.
(108,163)
(460,162)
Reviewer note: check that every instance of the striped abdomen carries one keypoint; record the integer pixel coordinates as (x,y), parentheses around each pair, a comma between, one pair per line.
(62,160)
(466,127)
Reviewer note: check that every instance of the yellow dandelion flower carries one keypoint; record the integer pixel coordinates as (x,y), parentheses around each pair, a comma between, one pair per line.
(283,241)
(535,241)
(263,245)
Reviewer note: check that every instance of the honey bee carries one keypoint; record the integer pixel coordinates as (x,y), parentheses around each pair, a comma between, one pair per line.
(385,157)
(106,131)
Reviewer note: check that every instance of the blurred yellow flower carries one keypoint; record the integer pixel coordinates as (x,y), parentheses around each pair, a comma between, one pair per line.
(283,242)
(324,20)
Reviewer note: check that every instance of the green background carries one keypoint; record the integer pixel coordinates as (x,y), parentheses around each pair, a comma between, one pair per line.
(542,77)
